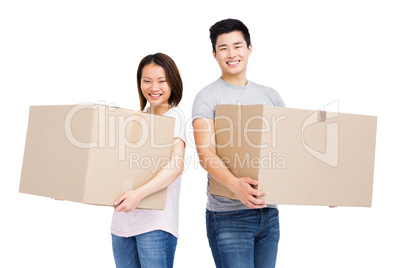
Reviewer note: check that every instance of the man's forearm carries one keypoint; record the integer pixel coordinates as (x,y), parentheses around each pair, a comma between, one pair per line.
(214,165)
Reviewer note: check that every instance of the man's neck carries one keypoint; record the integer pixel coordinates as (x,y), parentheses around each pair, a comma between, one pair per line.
(237,80)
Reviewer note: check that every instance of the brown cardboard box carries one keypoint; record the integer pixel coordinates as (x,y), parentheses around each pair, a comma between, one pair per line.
(94,153)
(299,157)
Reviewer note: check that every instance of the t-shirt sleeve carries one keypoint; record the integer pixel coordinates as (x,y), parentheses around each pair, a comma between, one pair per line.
(203,106)
(279,101)
(180,123)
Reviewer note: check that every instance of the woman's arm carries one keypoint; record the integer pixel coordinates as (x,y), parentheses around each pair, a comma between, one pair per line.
(169,172)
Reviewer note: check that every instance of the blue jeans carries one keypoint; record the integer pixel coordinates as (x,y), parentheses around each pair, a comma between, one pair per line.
(244,238)
(154,249)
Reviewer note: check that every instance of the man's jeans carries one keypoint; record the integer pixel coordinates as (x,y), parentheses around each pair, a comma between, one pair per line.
(155,249)
(244,238)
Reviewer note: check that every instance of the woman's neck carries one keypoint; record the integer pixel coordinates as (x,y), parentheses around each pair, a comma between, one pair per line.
(159,110)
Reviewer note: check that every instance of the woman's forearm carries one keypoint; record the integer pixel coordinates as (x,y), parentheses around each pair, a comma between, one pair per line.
(169,172)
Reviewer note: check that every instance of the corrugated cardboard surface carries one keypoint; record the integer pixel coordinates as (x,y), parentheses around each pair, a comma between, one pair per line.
(93,153)
(300,157)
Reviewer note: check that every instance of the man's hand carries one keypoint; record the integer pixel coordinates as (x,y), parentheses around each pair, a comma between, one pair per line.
(243,188)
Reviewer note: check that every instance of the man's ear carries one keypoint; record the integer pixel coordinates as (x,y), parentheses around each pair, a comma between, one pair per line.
(250,49)
(213,53)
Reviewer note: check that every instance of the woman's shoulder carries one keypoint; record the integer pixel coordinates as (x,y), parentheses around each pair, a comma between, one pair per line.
(180,121)
(176,112)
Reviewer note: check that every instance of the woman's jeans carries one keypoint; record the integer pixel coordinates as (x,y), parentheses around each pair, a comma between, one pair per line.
(155,249)
(244,238)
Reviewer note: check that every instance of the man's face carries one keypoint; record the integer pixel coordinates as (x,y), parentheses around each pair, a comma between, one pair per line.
(232,53)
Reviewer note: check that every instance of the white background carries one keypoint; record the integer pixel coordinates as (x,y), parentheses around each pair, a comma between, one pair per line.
(311,52)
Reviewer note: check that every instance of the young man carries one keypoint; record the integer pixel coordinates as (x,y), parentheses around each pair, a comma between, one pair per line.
(243,233)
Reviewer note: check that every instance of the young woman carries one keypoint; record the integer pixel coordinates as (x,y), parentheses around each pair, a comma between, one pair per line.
(148,238)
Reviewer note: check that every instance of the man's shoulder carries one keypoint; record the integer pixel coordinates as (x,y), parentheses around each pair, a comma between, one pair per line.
(266,89)
(206,100)
(262,87)
(211,87)
(270,93)
(208,91)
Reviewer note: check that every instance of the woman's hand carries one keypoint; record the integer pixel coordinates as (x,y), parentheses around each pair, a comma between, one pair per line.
(128,201)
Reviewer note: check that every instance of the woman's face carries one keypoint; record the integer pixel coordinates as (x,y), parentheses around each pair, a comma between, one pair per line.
(154,85)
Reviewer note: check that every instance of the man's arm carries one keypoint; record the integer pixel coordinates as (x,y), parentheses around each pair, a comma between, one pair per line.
(204,135)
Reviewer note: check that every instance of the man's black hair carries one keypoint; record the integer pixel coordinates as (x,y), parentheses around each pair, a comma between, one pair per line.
(228,26)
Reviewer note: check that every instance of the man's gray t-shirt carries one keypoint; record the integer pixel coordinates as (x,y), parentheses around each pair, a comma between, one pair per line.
(222,92)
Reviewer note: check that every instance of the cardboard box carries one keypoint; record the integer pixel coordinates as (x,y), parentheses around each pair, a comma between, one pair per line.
(94,153)
(299,157)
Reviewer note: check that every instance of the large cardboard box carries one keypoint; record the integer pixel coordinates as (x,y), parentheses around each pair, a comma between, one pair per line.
(94,153)
(299,157)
